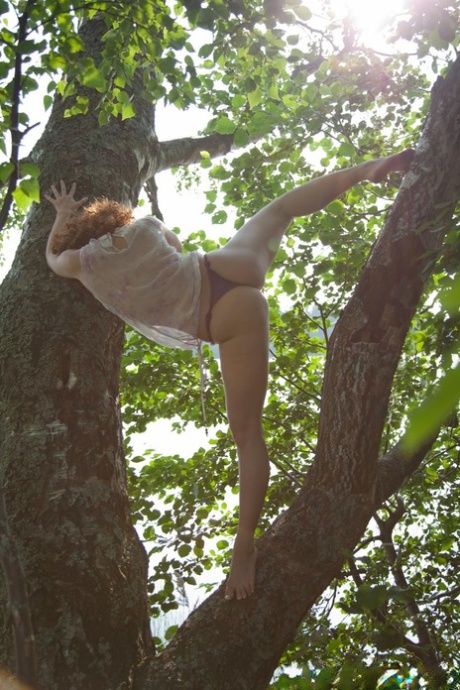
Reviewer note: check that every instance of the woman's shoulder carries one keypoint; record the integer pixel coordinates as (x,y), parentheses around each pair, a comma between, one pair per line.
(145,222)
(148,225)
(140,237)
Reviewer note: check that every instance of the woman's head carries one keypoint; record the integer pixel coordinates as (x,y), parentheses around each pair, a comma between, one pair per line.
(100,217)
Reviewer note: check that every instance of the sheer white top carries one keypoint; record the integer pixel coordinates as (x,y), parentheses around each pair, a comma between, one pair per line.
(149,285)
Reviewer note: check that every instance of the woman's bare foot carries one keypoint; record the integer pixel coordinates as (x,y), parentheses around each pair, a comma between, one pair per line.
(240,583)
(399,162)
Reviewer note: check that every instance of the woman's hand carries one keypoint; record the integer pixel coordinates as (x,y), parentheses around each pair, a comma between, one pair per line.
(67,263)
(63,201)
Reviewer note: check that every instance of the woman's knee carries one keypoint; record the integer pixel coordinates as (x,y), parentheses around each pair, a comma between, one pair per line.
(245,433)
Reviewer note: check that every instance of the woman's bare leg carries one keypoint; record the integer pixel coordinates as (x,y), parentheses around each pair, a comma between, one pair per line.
(248,255)
(240,326)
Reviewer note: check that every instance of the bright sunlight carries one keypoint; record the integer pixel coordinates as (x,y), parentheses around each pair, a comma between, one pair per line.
(369,17)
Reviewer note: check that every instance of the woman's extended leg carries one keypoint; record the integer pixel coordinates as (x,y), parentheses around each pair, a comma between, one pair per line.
(248,255)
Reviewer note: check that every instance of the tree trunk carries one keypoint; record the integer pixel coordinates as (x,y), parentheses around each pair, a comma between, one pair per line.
(62,463)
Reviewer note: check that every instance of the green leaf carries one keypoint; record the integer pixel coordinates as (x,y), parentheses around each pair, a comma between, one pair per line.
(241,137)
(5,171)
(261,123)
(127,111)
(428,417)
(74,44)
(346,149)
(289,286)
(368,597)
(388,638)
(22,199)
(30,169)
(450,297)
(238,101)
(219,217)
(254,98)
(336,208)
(184,550)
(93,78)
(202,513)
(26,47)
(206,50)
(302,13)
(224,125)
(31,187)
(171,631)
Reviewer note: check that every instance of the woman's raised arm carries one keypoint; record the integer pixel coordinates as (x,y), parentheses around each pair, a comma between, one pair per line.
(67,263)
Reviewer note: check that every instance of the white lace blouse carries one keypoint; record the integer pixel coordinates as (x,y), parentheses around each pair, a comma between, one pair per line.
(149,285)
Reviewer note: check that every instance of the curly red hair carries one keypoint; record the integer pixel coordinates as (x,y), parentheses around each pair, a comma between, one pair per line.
(100,217)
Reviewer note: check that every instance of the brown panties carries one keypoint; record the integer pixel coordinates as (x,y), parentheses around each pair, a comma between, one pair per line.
(219,287)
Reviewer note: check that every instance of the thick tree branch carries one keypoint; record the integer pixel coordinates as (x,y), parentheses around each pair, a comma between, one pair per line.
(65,488)
(186,151)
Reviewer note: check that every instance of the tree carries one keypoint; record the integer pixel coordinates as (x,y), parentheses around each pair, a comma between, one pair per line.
(63,471)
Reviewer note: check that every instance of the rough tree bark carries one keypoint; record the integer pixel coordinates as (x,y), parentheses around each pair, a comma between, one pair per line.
(62,464)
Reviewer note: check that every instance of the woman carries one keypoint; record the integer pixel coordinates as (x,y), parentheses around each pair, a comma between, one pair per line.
(136,270)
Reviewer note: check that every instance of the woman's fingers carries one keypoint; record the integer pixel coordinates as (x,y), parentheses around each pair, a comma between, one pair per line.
(64,193)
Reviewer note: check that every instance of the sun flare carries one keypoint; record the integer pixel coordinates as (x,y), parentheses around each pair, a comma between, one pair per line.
(369,17)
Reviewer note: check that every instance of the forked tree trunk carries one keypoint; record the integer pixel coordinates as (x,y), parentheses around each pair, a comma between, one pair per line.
(62,464)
